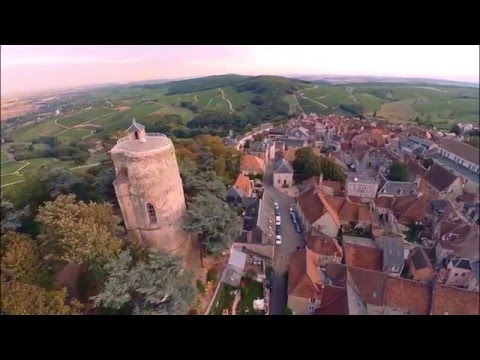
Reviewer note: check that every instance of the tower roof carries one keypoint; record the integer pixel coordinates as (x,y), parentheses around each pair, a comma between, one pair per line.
(135,127)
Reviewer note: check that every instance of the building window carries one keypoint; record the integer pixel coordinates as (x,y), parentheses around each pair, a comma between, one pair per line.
(463,274)
(151,213)
(395,268)
(456,274)
(279,181)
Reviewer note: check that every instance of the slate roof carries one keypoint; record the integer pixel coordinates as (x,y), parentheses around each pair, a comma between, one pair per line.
(439,177)
(283,167)
(460,149)
(393,250)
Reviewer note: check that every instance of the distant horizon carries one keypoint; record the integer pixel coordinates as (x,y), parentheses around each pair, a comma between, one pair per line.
(31,69)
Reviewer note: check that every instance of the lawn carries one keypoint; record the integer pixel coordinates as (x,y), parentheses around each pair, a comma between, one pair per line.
(397,111)
(370,102)
(11,166)
(251,290)
(83,116)
(224,300)
(26,134)
(186,114)
(8,179)
(4,156)
(74,134)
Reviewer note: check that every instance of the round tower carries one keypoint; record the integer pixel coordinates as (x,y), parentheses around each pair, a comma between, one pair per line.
(149,189)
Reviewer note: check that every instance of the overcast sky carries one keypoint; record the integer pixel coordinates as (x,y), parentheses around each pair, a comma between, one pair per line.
(36,67)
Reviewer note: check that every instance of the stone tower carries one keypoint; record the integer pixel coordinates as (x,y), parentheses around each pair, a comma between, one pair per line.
(149,189)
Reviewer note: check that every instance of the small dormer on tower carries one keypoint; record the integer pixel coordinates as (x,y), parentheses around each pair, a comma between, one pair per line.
(136,131)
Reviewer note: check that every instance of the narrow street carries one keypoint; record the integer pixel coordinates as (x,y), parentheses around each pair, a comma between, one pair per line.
(290,241)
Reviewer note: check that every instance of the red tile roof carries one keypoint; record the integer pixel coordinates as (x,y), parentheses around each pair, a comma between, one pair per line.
(454,301)
(410,208)
(334,185)
(362,256)
(299,283)
(369,284)
(244,184)
(408,294)
(323,244)
(252,163)
(333,301)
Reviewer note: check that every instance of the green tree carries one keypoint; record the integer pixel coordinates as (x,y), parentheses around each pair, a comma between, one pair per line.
(214,221)
(427,162)
(155,284)
(307,164)
(196,181)
(398,172)
(78,232)
(11,219)
(456,129)
(27,299)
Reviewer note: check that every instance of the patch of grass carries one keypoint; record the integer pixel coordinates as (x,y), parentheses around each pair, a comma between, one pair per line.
(7,179)
(26,134)
(74,133)
(83,116)
(200,286)
(397,111)
(253,290)
(287,311)
(224,300)
(4,156)
(211,275)
(186,114)
(11,166)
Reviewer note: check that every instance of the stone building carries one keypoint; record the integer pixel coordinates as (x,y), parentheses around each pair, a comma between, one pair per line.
(149,189)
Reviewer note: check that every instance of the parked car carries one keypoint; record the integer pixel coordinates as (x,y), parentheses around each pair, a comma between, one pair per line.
(277,220)
(294,218)
(278,240)
(298,228)
(277,212)
(278,230)
(276,205)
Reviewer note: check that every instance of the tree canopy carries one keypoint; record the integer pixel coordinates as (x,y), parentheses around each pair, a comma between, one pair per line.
(307,164)
(78,232)
(213,220)
(398,172)
(155,284)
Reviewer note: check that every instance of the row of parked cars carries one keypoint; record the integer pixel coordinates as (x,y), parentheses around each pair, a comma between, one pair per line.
(295,221)
(278,223)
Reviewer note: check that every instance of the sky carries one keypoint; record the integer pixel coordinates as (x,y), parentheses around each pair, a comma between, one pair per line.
(30,68)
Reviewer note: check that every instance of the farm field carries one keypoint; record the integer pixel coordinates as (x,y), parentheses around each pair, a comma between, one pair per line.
(74,134)
(398,111)
(83,117)
(26,134)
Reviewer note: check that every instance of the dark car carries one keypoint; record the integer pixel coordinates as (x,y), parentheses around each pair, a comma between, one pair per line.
(277,212)
(298,228)
(278,230)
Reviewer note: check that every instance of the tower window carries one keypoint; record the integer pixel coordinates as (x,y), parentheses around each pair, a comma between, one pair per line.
(136,135)
(151,213)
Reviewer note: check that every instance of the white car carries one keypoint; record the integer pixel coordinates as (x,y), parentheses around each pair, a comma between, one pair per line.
(277,220)
(278,240)
(276,205)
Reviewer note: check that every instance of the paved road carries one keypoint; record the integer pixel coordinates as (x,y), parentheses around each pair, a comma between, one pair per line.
(290,240)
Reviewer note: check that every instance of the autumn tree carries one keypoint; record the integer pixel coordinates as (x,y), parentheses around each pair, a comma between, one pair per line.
(20,259)
(26,299)
(155,284)
(214,221)
(78,232)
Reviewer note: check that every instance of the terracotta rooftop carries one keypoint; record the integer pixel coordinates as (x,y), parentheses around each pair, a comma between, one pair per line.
(333,301)
(299,283)
(460,149)
(243,183)
(334,185)
(410,208)
(323,244)
(408,294)
(362,256)
(252,162)
(311,205)
(449,300)
(439,177)
(349,211)
(369,284)
(415,168)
